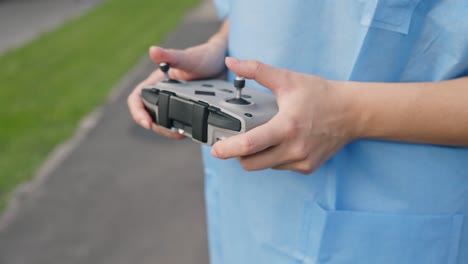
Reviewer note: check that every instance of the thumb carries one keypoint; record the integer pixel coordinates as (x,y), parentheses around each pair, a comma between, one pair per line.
(266,75)
(176,58)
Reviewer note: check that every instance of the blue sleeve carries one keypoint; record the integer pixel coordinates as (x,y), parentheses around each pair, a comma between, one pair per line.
(222,6)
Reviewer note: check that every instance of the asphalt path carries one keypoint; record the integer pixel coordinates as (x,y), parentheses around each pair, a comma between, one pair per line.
(115,193)
(24,20)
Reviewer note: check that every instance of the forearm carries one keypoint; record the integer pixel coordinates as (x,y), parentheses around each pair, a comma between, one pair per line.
(432,113)
(221,37)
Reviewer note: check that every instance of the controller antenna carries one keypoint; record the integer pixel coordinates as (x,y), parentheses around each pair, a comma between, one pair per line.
(164,66)
(239,83)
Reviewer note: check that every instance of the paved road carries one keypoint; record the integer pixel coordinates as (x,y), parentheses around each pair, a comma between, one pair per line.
(123,195)
(23,20)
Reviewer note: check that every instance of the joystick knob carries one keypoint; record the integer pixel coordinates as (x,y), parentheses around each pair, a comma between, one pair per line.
(239,83)
(164,66)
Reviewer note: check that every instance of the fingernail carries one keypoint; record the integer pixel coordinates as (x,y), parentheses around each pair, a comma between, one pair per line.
(145,124)
(214,153)
(233,60)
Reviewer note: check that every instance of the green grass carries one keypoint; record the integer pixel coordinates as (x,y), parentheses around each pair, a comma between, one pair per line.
(48,85)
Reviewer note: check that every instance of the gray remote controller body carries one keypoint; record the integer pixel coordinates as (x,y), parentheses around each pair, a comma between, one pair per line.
(204,111)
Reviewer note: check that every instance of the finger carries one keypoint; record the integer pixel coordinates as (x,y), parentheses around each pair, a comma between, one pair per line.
(166,133)
(269,158)
(253,141)
(137,110)
(303,167)
(306,166)
(266,75)
(176,58)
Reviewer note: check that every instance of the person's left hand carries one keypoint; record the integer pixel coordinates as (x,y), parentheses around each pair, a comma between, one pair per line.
(314,121)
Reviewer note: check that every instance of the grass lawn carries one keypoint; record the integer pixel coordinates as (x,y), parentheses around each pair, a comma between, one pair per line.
(48,85)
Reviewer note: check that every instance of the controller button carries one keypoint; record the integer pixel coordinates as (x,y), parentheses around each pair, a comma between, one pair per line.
(248,114)
(207,85)
(226,90)
(205,93)
(170,81)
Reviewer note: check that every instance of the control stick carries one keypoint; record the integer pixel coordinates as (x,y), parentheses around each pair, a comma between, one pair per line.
(164,66)
(239,83)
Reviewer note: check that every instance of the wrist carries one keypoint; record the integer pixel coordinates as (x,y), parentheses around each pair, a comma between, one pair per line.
(349,108)
(220,38)
(219,41)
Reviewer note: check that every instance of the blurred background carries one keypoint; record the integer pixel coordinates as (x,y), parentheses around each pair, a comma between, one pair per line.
(79,181)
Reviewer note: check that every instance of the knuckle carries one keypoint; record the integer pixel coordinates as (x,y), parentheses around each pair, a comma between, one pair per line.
(246,145)
(304,168)
(299,153)
(257,67)
(291,128)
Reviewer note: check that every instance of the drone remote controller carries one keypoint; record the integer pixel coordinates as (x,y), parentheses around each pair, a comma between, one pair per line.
(207,110)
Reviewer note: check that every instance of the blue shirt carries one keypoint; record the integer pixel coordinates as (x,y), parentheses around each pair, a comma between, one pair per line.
(374,201)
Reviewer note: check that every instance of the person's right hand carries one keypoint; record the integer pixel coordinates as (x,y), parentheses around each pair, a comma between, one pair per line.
(198,62)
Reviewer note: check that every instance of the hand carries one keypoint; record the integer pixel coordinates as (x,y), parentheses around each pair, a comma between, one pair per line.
(313,122)
(202,61)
